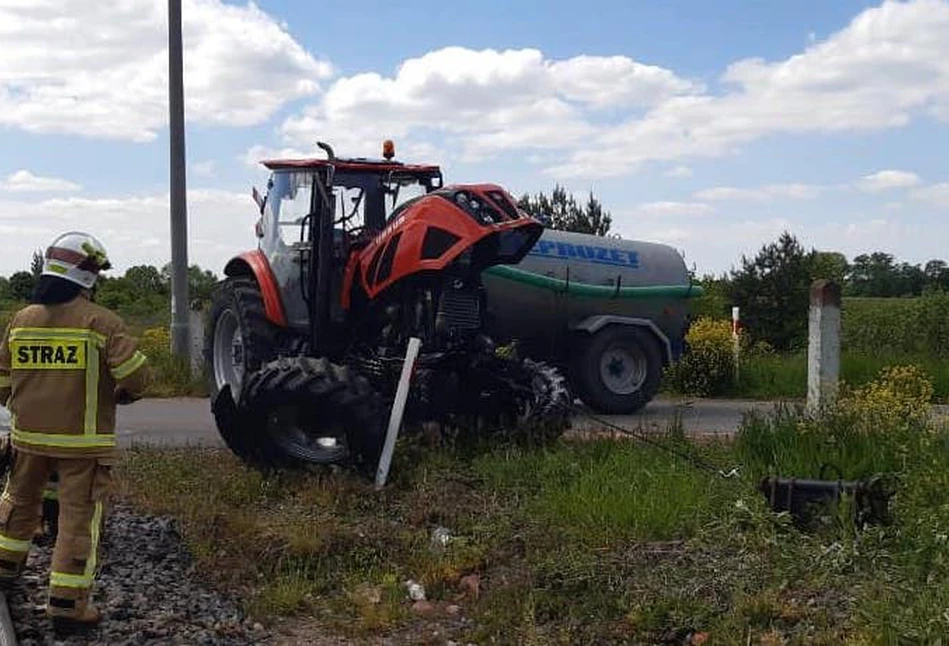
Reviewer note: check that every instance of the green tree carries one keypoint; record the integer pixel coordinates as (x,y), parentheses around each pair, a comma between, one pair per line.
(831,265)
(773,291)
(566,214)
(937,274)
(21,285)
(874,274)
(201,282)
(910,280)
(147,279)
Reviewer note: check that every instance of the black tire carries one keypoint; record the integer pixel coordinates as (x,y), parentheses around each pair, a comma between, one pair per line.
(549,406)
(238,300)
(527,402)
(615,396)
(317,396)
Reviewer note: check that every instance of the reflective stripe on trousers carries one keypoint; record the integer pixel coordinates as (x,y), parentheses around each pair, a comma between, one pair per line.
(86,579)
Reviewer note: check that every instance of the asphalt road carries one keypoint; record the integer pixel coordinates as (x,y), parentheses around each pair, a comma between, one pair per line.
(184,422)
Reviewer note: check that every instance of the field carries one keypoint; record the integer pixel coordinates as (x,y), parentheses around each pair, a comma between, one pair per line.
(875,333)
(585,542)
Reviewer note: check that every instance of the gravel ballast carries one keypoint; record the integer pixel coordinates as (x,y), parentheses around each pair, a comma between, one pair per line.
(147,590)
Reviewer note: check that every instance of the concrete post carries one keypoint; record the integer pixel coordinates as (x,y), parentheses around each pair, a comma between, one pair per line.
(823,346)
(197,320)
(178,196)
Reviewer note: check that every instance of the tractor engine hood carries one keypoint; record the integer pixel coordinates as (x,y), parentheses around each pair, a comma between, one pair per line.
(479,225)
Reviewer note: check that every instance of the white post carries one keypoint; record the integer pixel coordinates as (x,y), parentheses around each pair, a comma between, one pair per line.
(823,346)
(398,408)
(736,339)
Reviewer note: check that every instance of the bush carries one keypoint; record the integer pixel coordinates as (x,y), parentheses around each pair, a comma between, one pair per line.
(899,396)
(708,368)
(871,429)
(170,376)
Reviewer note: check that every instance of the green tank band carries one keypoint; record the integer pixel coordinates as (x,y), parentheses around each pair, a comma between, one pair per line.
(593,291)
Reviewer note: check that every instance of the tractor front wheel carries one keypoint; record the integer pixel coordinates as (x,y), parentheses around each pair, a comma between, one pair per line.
(304,411)
(239,337)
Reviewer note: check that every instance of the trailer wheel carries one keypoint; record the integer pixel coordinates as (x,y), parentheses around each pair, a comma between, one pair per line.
(618,369)
(307,411)
(239,337)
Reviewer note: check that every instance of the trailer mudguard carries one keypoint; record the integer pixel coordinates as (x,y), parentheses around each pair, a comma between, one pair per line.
(594,324)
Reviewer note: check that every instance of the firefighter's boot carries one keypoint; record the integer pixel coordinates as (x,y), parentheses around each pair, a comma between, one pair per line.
(87,619)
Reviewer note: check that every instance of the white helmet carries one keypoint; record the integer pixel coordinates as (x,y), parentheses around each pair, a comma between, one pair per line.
(77,257)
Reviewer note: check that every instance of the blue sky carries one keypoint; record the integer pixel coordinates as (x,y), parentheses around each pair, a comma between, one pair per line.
(711,127)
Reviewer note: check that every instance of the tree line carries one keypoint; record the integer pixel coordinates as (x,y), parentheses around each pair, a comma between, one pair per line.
(143,291)
(773,287)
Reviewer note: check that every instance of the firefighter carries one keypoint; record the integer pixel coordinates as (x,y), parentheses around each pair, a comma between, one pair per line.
(65,363)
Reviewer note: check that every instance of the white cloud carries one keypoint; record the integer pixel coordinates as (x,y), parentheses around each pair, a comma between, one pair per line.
(888,179)
(100,68)
(669,208)
(890,64)
(206,168)
(134,229)
(716,246)
(485,101)
(760,194)
(23,181)
(936,194)
(679,171)
(605,115)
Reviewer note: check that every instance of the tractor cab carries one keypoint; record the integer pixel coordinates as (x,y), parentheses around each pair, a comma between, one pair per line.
(317,211)
(360,194)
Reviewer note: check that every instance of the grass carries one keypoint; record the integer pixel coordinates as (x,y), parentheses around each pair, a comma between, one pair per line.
(596,541)
(785,377)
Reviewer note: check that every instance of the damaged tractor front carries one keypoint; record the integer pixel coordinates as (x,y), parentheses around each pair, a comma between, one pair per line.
(308,333)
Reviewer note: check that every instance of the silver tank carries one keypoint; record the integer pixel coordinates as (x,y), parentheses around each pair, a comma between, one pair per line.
(592,275)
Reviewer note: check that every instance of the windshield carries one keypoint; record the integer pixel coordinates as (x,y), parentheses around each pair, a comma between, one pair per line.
(289,199)
(399,193)
(361,198)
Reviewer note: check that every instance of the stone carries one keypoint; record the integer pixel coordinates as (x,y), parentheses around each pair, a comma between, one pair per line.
(423,607)
(471,585)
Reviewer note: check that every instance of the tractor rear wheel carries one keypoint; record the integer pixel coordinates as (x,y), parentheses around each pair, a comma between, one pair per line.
(239,337)
(303,411)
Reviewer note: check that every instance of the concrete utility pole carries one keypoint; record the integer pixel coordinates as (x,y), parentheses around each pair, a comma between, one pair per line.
(180,341)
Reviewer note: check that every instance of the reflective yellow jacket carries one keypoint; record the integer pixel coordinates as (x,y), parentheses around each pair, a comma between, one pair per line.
(63,369)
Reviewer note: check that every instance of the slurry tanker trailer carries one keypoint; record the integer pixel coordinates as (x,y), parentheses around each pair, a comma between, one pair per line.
(610,312)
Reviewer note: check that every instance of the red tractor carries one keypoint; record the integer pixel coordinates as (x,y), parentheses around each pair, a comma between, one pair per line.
(308,333)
